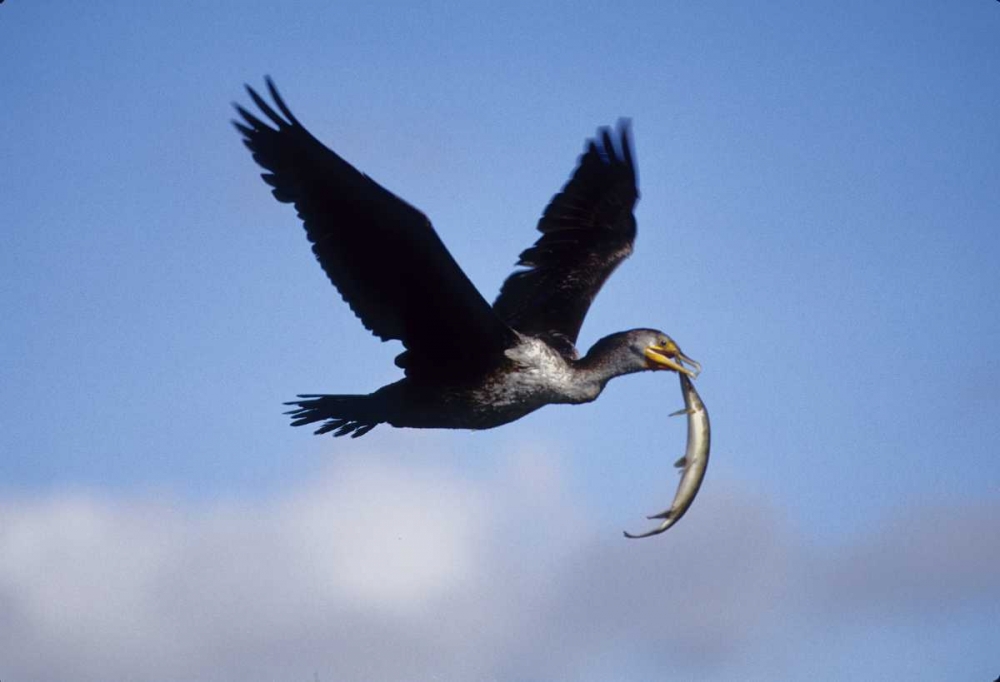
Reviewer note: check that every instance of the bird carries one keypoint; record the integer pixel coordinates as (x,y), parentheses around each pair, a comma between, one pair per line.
(466,364)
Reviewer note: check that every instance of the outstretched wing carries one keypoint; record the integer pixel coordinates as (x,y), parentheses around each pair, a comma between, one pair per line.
(587,230)
(381,253)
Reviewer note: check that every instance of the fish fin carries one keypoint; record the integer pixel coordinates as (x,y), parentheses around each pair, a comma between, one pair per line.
(682,462)
(686,410)
(656,531)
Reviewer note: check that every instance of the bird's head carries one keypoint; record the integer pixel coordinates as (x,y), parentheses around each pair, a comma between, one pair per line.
(643,349)
(661,352)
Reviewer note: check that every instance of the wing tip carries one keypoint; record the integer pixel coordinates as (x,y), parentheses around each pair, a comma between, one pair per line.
(283,120)
(611,145)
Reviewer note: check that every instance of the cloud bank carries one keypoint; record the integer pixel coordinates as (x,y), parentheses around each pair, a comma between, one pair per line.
(380,572)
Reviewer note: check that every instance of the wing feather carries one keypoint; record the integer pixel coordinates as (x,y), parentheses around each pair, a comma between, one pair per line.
(380,252)
(587,229)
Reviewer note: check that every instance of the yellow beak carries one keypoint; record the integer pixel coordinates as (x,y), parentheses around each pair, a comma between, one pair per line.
(669,356)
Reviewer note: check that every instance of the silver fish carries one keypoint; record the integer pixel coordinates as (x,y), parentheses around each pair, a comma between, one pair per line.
(694,462)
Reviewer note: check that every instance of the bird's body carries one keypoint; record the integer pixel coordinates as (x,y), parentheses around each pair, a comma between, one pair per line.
(467,364)
(532,375)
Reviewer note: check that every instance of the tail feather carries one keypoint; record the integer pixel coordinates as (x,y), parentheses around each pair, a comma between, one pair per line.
(343,414)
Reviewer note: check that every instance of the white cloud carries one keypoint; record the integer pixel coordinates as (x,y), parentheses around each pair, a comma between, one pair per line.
(378,572)
(385,540)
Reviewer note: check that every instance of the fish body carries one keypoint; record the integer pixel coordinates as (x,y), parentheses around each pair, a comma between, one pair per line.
(694,462)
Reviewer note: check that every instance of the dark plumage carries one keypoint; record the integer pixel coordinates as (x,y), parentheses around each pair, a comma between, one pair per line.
(467,364)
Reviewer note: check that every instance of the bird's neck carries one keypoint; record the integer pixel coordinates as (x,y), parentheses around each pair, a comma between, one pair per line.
(601,364)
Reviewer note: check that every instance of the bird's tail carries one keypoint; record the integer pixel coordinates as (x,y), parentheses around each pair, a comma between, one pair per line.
(344,414)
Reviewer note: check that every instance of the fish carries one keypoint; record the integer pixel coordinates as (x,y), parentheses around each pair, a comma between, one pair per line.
(692,465)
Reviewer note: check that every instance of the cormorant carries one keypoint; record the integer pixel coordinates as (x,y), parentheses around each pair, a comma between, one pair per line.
(467,364)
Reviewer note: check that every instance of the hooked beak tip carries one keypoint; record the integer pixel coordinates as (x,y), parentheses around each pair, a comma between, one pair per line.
(695,366)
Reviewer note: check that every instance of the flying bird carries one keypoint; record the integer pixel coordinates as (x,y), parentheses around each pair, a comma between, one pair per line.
(467,364)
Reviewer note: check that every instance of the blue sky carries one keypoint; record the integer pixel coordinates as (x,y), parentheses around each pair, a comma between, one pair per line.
(818,227)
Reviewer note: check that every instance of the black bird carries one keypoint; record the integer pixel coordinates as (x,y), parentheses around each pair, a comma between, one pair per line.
(467,365)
